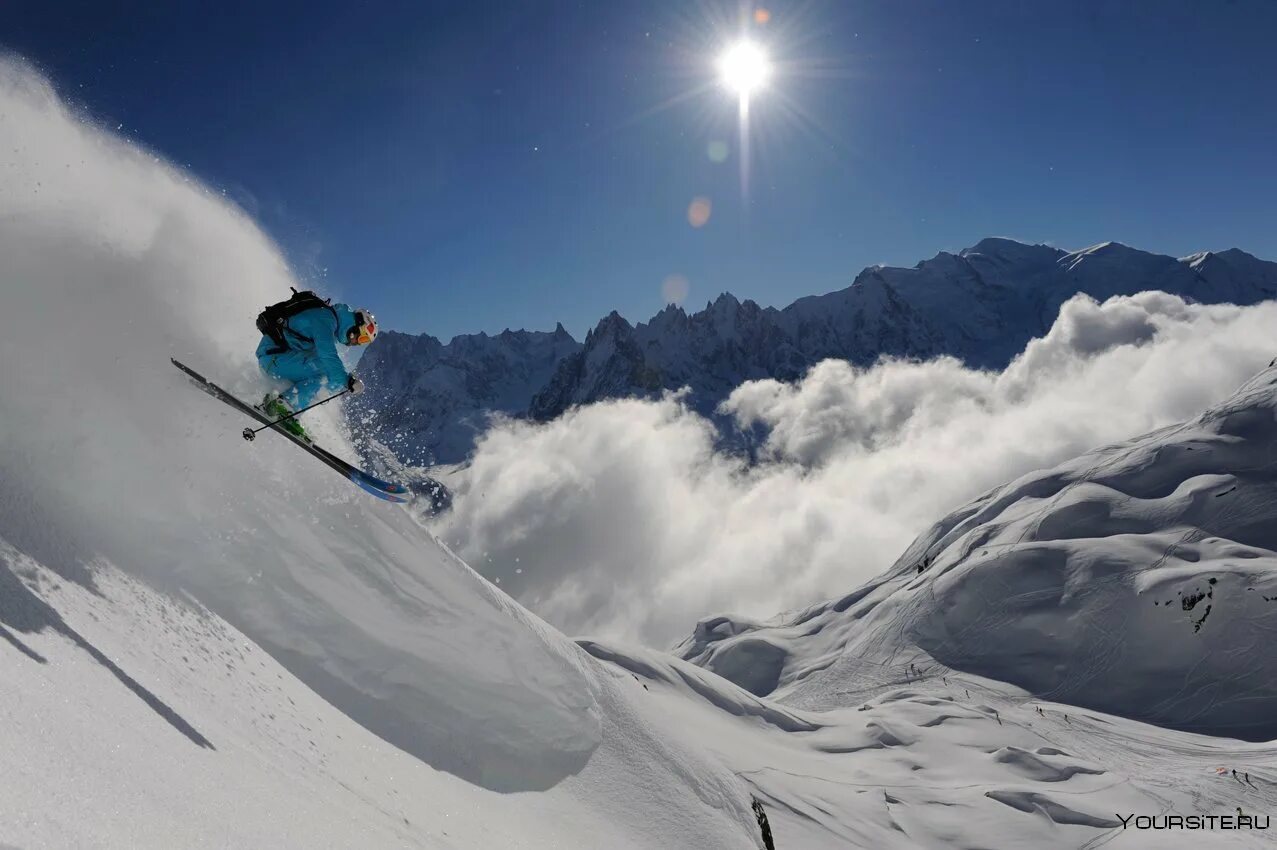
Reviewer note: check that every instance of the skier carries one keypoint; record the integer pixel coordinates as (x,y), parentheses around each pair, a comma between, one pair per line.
(299,347)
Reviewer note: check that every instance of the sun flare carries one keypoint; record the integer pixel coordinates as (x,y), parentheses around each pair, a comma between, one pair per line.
(744,68)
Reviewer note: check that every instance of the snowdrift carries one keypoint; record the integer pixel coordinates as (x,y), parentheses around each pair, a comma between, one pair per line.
(928,760)
(115,261)
(1138,579)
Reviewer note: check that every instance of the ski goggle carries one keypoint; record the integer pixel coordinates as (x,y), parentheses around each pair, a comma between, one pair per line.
(364,331)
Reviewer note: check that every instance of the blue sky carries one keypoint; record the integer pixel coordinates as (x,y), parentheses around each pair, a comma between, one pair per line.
(473,166)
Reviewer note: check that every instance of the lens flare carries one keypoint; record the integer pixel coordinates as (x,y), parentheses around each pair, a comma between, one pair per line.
(674,289)
(698,212)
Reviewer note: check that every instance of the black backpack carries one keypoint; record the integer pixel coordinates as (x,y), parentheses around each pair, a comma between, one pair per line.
(273,321)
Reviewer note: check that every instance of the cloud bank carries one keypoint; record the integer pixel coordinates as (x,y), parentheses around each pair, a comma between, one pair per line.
(621,519)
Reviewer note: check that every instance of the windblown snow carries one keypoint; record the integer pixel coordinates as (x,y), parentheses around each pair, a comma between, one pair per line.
(110,462)
(212,643)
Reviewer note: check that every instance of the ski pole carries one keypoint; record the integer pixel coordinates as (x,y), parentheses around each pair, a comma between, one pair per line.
(250,433)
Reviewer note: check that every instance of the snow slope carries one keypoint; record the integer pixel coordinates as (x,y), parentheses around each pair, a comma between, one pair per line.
(999,686)
(137,720)
(1137,579)
(110,462)
(930,760)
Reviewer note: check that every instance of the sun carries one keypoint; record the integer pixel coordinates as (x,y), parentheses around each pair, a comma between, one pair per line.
(744,68)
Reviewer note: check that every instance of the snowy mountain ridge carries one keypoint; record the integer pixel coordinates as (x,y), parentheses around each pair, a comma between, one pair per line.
(982,305)
(428,400)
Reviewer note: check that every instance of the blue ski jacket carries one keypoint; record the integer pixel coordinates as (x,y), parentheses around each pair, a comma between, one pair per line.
(311,363)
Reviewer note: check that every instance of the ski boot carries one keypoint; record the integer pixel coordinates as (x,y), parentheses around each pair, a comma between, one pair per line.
(273,406)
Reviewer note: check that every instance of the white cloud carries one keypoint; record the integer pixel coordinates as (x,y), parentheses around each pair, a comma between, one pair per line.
(621,519)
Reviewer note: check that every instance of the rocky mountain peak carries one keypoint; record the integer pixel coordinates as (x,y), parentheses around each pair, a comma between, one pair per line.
(982,305)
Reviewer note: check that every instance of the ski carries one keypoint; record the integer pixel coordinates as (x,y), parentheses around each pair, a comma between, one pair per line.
(387,490)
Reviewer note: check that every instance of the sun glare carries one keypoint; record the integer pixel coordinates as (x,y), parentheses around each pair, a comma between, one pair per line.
(744,68)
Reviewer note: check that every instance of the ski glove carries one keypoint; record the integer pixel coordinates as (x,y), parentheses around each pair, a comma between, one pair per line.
(355,385)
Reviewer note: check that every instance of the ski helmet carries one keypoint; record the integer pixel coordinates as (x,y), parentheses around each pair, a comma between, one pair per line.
(364,330)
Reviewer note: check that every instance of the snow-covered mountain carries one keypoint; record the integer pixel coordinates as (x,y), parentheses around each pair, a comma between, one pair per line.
(712,352)
(1139,579)
(982,305)
(427,401)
